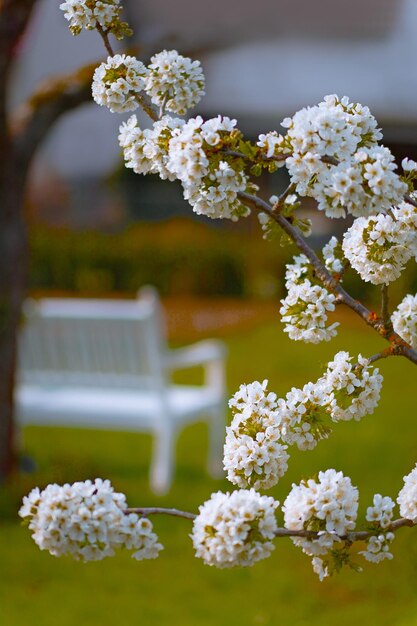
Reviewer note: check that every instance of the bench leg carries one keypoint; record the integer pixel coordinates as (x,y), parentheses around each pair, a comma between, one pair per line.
(162,465)
(217,433)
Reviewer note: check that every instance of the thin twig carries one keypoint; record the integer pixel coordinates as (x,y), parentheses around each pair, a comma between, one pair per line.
(157,510)
(143,99)
(105,37)
(410,200)
(277,206)
(262,157)
(280,532)
(329,281)
(359,535)
(146,103)
(381,355)
(384,305)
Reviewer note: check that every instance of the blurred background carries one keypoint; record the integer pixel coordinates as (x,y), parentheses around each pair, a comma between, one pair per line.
(97,229)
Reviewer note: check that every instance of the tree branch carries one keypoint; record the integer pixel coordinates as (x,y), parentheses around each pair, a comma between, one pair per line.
(157,510)
(384,306)
(143,99)
(360,535)
(52,99)
(401,347)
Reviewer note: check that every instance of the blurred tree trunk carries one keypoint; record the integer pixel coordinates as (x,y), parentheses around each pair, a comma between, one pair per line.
(19,139)
(14,16)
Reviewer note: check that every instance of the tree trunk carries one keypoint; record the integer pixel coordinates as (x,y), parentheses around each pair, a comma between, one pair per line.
(13,264)
(18,144)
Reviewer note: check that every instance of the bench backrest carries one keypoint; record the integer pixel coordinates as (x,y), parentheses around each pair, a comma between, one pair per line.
(93,343)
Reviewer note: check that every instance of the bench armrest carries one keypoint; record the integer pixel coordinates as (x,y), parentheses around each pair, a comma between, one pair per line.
(211,354)
(196,354)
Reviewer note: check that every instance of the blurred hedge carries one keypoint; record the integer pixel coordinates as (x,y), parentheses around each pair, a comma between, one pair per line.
(178,256)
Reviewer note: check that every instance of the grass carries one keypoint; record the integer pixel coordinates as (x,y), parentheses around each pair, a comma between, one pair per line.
(177,589)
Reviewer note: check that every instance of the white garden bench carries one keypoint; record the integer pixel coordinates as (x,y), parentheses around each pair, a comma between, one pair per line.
(105,364)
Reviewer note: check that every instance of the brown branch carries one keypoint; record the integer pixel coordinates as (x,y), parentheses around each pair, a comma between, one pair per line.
(281,199)
(143,99)
(384,307)
(105,37)
(410,200)
(360,535)
(157,510)
(373,320)
(14,17)
(52,99)
(390,351)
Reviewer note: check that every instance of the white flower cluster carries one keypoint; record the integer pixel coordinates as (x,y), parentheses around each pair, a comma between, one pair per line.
(404,320)
(303,414)
(333,256)
(380,515)
(254,455)
(117,83)
(364,186)
(345,391)
(86,520)
(210,181)
(354,388)
(407,498)
(235,529)
(174,82)
(406,214)
(381,512)
(378,548)
(255,452)
(333,128)
(146,151)
(88,13)
(191,152)
(271,145)
(304,312)
(336,161)
(297,271)
(378,248)
(328,506)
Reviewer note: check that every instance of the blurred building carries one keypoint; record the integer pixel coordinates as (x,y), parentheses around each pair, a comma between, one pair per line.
(262,61)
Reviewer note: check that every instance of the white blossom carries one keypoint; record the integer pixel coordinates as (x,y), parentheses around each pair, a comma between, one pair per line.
(271,145)
(353,387)
(378,548)
(381,512)
(86,520)
(117,82)
(211,182)
(174,82)
(235,529)
(297,271)
(404,320)
(146,151)
(407,498)
(377,248)
(333,256)
(88,13)
(328,506)
(406,215)
(335,159)
(363,186)
(254,454)
(304,312)
(303,415)
(409,165)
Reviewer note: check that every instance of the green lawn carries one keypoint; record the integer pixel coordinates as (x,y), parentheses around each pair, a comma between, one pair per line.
(37,589)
